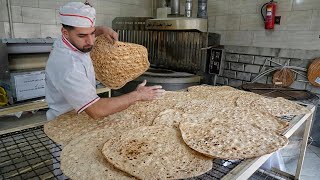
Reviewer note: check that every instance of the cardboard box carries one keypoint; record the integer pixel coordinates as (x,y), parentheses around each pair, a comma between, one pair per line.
(28,85)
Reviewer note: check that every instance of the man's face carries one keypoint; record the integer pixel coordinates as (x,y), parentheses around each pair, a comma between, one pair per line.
(82,38)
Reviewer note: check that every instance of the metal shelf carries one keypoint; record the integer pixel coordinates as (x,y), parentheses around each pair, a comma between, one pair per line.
(27,154)
(35,105)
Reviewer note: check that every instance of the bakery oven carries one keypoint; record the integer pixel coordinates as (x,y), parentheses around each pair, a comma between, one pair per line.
(181,51)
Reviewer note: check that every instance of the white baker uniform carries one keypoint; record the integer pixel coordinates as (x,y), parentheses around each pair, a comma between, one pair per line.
(70,84)
(70,80)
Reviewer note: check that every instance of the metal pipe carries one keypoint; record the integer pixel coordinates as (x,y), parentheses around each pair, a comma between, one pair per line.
(188,9)
(202,9)
(175,7)
(10,19)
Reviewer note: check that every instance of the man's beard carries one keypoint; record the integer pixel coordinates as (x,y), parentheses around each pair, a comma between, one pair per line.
(86,49)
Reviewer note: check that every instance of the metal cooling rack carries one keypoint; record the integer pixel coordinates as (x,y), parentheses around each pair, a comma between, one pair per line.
(270,175)
(28,154)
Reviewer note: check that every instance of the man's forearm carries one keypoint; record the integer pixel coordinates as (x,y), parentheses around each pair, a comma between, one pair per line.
(107,106)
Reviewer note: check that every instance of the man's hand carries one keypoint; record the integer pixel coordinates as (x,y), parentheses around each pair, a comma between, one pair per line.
(146,93)
(108,32)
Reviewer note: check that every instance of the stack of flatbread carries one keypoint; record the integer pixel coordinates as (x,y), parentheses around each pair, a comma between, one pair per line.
(118,63)
(175,137)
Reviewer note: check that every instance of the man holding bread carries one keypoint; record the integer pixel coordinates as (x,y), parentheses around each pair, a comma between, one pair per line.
(70,76)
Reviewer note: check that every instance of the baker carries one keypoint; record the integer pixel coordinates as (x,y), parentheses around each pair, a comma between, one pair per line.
(70,77)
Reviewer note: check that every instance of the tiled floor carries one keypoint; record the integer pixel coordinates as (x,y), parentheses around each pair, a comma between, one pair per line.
(310,171)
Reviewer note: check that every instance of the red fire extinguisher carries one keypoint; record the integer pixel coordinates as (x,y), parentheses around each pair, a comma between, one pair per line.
(269,17)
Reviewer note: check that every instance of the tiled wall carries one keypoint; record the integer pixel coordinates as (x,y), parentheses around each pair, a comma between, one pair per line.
(240,23)
(243,64)
(39,18)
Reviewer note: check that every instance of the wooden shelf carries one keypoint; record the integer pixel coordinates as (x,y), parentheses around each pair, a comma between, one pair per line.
(35,105)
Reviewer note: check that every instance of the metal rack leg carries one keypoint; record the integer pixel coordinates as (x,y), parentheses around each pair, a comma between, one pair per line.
(303,146)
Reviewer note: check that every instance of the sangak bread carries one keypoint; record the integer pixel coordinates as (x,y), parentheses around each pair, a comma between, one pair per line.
(116,64)
(261,120)
(71,125)
(82,158)
(208,88)
(155,152)
(230,141)
(276,106)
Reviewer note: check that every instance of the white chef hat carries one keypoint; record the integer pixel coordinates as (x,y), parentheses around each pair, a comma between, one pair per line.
(77,14)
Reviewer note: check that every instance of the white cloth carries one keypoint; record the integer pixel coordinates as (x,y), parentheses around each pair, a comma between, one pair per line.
(77,14)
(70,80)
(275,161)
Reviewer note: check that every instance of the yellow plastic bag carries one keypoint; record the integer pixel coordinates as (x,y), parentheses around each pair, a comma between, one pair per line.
(3,97)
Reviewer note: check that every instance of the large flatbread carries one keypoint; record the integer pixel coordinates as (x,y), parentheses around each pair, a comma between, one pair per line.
(276,106)
(71,125)
(210,89)
(116,64)
(230,141)
(82,158)
(261,120)
(155,152)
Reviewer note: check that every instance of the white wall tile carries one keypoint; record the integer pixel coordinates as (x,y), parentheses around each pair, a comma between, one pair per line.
(103,20)
(241,38)
(49,4)
(7,29)
(299,20)
(282,5)
(52,31)
(27,3)
(134,11)
(211,23)
(106,7)
(24,30)
(218,7)
(251,22)
(242,6)
(38,15)
(16,13)
(270,38)
(306,5)
(2,30)
(229,22)
(315,22)
(3,11)
(146,3)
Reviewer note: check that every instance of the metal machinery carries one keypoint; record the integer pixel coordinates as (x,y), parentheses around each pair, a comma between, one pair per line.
(18,58)
(177,48)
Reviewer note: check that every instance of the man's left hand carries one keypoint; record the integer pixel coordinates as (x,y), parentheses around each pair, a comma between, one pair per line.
(108,32)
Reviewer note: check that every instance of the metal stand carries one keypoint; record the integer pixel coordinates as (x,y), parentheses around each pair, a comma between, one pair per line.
(245,169)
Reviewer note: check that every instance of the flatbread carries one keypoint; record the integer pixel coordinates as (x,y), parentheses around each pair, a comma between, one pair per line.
(116,64)
(276,106)
(261,120)
(208,88)
(230,141)
(71,125)
(82,158)
(155,152)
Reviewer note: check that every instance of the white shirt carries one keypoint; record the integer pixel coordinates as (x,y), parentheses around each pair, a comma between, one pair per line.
(70,80)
